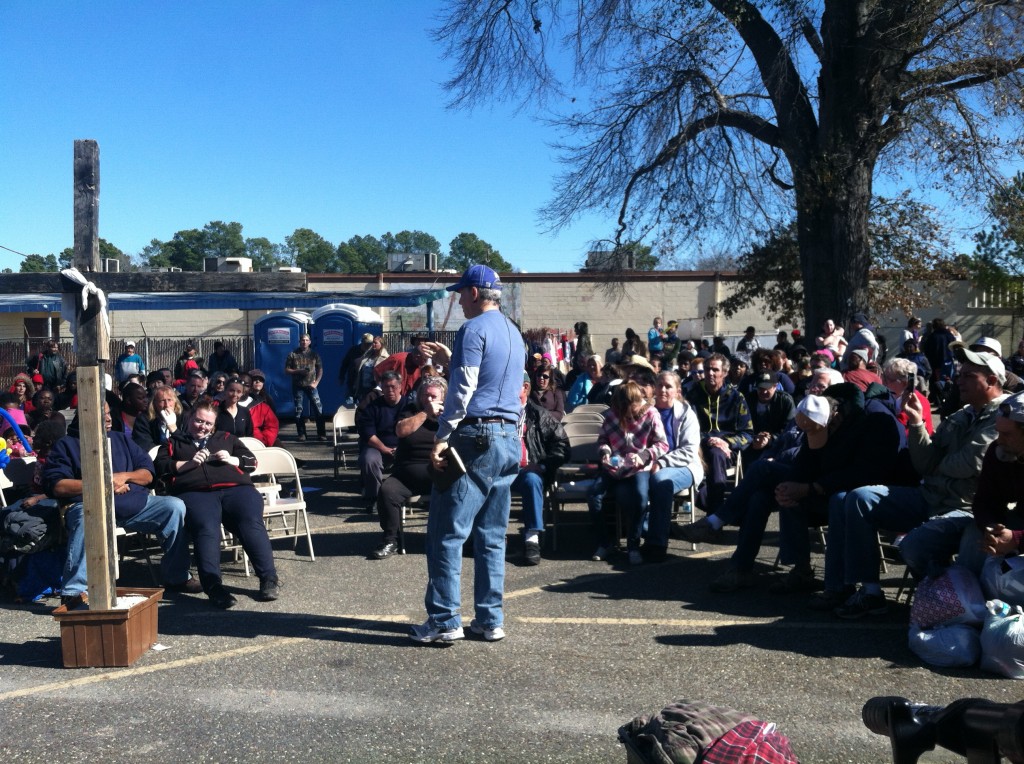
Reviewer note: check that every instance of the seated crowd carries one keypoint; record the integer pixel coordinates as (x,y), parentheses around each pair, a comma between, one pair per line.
(193,425)
(832,435)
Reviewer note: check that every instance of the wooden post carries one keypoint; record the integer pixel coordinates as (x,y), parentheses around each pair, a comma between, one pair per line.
(93,349)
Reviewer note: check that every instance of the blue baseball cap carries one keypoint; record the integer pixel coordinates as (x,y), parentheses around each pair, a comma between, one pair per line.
(479,276)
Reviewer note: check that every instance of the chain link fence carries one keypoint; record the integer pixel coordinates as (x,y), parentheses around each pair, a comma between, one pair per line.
(163,352)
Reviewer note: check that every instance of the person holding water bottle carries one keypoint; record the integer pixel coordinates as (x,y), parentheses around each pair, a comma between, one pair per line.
(632,439)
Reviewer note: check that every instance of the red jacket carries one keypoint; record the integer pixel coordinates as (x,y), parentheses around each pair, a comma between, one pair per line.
(264,423)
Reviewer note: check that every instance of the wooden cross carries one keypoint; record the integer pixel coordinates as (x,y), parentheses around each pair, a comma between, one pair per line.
(93,343)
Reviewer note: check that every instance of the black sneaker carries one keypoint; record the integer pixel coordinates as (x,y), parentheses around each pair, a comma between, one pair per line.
(270,590)
(699,532)
(385,550)
(301,438)
(827,601)
(796,581)
(654,553)
(221,597)
(863,604)
(531,553)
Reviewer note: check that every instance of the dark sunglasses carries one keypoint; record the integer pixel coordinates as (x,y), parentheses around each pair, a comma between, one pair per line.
(543,376)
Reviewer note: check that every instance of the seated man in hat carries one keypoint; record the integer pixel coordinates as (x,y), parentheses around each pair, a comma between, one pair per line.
(725,427)
(771,411)
(857,371)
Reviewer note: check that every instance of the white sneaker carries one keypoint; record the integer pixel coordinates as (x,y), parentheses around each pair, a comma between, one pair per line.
(489,635)
(601,553)
(427,633)
(635,558)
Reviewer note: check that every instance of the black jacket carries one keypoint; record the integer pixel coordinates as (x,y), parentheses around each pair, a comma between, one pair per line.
(547,445)
(209,476)
(780,413)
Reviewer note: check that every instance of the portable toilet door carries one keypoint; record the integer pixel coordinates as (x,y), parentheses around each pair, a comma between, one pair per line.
(276,335)
(336,329)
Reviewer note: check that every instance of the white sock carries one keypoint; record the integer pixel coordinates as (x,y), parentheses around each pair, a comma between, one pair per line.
(532,537)
(715,522)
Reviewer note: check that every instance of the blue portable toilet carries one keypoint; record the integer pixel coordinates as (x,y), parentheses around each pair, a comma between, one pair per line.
(276,335)
(336,328)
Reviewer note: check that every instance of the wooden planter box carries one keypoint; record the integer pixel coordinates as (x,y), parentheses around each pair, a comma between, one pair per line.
(109,637)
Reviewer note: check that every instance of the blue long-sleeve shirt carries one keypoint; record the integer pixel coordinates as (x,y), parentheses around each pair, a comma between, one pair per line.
(487,372)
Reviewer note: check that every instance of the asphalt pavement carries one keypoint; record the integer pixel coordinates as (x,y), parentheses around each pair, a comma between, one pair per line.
(328,673)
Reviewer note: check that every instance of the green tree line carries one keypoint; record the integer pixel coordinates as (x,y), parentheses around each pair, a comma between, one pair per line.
(304,248)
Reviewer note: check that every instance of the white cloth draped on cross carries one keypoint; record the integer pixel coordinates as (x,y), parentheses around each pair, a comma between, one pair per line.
(69,307)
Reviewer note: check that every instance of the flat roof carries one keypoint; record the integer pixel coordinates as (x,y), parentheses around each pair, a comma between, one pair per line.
(50,303)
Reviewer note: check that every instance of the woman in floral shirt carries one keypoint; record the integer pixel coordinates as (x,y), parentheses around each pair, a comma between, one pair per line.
(631,440)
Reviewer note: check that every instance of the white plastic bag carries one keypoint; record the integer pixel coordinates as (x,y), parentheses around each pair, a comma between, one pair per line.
(956,645)
(1002,640)
(1002,578)
(953,597)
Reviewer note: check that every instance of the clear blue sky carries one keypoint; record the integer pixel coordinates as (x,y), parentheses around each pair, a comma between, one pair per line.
(277,115)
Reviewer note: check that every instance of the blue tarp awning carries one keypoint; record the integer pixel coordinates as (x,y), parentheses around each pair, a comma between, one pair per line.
(50,303)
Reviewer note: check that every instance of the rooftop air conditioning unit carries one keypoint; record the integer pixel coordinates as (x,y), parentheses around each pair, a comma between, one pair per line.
(400,262)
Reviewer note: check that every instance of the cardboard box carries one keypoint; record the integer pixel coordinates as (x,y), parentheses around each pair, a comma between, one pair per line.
(91,638)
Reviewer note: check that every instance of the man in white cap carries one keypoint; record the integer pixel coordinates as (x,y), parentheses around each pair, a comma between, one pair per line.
(935,512)
(479,423)
(128,363)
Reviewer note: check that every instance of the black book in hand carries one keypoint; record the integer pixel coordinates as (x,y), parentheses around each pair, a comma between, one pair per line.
(455,469)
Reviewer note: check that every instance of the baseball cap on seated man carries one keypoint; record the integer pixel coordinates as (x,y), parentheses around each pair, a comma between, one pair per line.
(1013,408)
(479,276)
(766,379)
(993,363)
(988,345)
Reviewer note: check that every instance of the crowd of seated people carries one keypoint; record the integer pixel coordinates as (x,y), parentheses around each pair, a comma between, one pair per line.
(144,412)
(833,436)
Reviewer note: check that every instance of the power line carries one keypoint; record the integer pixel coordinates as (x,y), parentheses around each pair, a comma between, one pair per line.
(22,254)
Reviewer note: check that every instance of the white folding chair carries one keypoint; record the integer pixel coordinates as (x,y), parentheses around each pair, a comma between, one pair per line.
(279,466)
(253,444)
(566,489)
(345,439)
(582,416)
(598,408)
(582,432)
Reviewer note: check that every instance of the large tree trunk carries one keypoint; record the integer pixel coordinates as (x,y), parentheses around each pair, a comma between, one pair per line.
(833,204)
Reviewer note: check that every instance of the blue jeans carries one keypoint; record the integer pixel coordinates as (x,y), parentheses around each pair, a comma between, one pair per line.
(163,516)
(476,504)
(316,410)
(664,485)
(750,506)
(854,519)
(927,549)
(630,497)
(530,485)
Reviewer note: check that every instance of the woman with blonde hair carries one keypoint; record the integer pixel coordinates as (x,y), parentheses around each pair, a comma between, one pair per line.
(631,440)
(165,413)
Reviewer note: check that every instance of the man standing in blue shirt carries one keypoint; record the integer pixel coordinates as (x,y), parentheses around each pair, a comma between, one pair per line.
(478,422)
